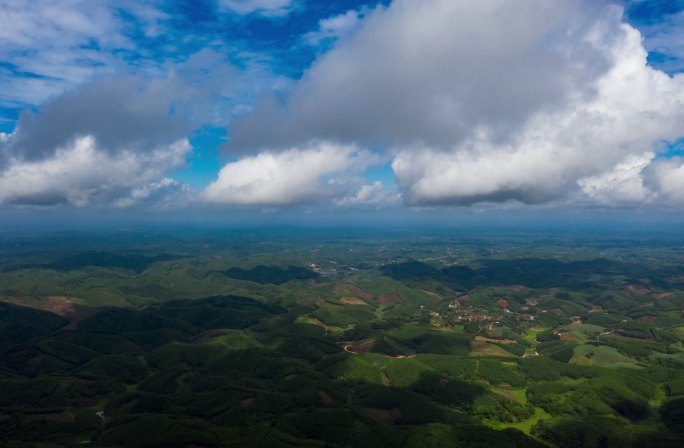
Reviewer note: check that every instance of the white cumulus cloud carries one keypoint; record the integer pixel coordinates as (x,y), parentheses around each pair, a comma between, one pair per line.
(525,100)
(334,27)
(623,184)
(667,176)
(635,107)
(288,177)
(82,174)
(375,194)
(166,193)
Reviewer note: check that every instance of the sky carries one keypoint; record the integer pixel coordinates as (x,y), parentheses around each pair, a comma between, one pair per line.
(341,107)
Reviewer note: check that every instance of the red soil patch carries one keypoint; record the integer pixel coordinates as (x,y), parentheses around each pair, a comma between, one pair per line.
(664,295)
(495,341)
(352,301)
(400,356)
(501,393)
(352,290)
(502,303)
(557,311)
(326,398)
(389,298)
(64,307)
(210,334)
(318,323)
(627,338)
(247,402)
(431,294)
(648,319)
(487,349)
(383,415)
(356,349)
(638,289)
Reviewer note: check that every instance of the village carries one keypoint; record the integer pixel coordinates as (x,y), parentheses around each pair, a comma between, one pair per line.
(459,312)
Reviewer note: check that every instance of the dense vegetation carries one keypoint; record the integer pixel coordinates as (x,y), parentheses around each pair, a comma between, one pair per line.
(234,340)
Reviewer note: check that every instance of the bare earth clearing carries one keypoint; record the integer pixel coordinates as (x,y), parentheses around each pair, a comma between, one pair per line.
(352,301)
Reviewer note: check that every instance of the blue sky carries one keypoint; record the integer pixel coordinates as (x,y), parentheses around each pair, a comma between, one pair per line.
(339,105)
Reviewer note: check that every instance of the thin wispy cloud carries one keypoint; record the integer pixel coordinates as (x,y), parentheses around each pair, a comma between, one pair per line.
(332,28)
(268,8)
(50,46)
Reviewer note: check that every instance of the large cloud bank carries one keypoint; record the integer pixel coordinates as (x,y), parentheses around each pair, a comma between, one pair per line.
(81,174)
(534,101)
(113,140)
(530,100)
(96,145)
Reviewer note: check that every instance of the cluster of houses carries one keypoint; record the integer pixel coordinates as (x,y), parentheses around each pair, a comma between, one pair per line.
(464,314)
